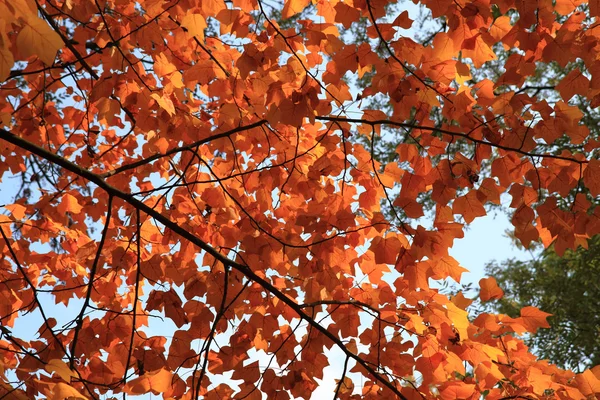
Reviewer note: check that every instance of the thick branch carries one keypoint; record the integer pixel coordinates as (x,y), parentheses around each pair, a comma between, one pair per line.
(244,269)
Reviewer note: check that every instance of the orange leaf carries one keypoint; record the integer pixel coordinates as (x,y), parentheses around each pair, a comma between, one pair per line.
(69,203)
(490,289)
(156,382)
(574,83)
(533,318)
(539,381)
(386,249)
(6,63)
(469,206)
(293,7)
(37,38)
(17,210)
(62,391)
(164,102)
(195,25)
(456,390)
(403,21)
(587,383)
(61,369)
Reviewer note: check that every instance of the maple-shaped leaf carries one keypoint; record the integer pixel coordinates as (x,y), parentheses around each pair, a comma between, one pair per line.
(574,83)
(69,203)
(489,289)
(346,14)
(469,206)
(164,102)
(532,318)
(539,381)
(403,20)
(171,303)
(461,301)
(386,250)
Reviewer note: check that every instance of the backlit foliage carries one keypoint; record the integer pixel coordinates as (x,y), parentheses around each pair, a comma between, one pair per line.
(195,193)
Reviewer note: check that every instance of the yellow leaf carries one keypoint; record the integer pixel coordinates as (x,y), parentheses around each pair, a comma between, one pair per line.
(61,369)
(162,65)
(195,24)
(459,319)
(37,38)
(177,80)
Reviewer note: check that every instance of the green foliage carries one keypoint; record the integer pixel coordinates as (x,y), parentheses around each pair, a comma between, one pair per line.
(569,288)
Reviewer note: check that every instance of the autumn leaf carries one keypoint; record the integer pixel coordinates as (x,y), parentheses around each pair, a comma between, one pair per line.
(61,391)
(532,318)
(539,381)
(155,382)
(61,369)
(456,390)
(164,102)
(195,25)
(17,210)
(386,249)
(69,204)
(469,206)
(489,289)
(588,383)
(403,21)
(6,63)
(10,393)
(189,186)
(37,38)
(293,7)
(591,177)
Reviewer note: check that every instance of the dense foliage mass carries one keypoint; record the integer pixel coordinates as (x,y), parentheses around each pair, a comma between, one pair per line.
(567,287)
(196,192)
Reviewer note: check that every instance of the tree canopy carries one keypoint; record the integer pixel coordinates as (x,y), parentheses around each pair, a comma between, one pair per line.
(195,190)
(567,287)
